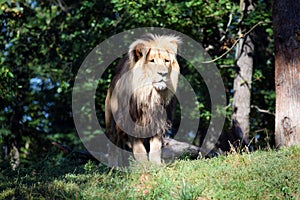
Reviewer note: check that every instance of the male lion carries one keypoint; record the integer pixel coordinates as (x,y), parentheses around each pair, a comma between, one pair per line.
(139,98)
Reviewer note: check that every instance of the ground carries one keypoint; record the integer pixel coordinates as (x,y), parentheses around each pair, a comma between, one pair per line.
(259,175)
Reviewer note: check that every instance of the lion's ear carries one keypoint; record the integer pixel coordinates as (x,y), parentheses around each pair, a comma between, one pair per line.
(137,50)
(174,41)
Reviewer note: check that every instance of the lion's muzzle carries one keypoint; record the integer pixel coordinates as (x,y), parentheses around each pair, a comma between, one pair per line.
(161,85)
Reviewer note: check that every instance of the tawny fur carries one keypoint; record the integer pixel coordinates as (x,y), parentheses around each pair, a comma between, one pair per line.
(140,96)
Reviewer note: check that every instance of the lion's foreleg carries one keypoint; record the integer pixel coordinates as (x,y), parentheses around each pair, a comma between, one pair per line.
(139,151)
(155,149)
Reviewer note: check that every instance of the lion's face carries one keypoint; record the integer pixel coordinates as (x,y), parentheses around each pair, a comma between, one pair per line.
(154,67)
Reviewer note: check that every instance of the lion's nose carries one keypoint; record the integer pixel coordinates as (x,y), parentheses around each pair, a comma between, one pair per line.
(163,74)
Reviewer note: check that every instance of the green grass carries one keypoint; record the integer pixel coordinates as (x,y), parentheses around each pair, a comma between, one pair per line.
(259,175)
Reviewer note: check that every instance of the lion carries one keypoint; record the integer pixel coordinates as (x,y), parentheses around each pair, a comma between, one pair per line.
(139,99)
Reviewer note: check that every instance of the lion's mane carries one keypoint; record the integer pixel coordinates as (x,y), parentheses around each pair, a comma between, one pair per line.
(140,95)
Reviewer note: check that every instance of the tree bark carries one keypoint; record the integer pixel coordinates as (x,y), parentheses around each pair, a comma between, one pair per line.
(286,22)
(243,78)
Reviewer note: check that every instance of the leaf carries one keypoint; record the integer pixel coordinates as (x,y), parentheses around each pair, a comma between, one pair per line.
(59,90)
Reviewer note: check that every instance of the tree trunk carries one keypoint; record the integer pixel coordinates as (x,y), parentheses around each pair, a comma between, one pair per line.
(243,78)
(286,22)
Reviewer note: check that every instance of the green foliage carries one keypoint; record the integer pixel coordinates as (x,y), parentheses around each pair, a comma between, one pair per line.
(260,175)
(43,48)
(43,44)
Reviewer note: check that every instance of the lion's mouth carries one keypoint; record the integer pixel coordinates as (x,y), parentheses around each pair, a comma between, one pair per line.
(161,85)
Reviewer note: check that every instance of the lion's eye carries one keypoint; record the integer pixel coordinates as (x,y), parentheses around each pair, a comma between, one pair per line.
(166,60)
(152,60)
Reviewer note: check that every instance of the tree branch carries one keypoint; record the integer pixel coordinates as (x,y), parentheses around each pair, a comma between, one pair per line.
(234,44)
(227,27)
(262,111)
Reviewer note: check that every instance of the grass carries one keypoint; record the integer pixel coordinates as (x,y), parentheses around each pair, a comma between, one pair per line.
(259,175)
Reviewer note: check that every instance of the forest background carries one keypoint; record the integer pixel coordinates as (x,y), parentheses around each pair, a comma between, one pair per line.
(43,44)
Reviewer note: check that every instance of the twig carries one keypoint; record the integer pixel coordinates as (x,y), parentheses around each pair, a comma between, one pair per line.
(85,155)
(227,66)
(240,37)
(227,27)
(262,111)
(62,147)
